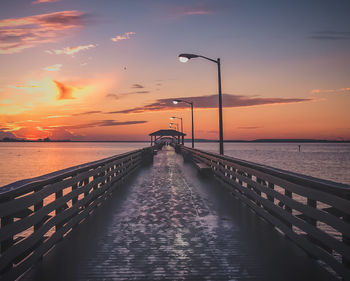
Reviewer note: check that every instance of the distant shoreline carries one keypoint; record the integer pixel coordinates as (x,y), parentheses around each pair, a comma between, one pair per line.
(196,140)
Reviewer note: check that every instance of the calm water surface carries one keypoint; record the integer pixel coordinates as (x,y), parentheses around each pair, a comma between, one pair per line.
(27,160)
(329,161)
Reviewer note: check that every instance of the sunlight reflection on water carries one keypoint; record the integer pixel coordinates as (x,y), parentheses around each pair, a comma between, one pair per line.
(26,160)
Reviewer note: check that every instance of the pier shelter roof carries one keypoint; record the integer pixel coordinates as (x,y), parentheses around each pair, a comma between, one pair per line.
(163,133)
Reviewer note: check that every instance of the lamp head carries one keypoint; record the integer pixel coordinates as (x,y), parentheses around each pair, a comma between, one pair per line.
(172,118)
(175,101)
(186,57)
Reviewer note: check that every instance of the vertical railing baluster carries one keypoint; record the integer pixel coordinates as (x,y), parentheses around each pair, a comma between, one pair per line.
(37,207)
(58,194)
(6,244)
(86,193)
(257,191)
(345,238)
(286,207)
(313,204)
(270,197)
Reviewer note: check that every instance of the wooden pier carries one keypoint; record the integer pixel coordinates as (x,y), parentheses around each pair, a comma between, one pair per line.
(95,222)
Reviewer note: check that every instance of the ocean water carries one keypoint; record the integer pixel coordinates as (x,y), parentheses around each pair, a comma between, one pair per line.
(322,160)
(22,160)
(330,161)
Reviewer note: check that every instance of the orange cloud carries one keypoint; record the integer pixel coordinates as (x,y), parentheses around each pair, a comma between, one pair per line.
(65,92)
(17,34)
(44,1)
(335,91)
(124,36)
(71,50)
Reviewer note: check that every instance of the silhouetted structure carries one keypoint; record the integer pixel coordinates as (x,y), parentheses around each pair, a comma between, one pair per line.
(157,136)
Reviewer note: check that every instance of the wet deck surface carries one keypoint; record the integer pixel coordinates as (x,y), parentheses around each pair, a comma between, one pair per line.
(168,224)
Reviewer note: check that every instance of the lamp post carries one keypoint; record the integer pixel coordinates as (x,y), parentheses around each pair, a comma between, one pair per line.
(185,58)
(174,117)
(190,103)
(177,126)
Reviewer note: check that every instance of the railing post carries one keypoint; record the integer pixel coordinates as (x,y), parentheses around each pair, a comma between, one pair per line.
(313,204)
(37,207)
(270,197)
(86,193)
(6,244)
(286,207)
(346,240)
(58,194)
(260,181)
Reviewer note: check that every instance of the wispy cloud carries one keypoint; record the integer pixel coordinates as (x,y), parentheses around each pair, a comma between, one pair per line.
(196,12)
(178,11)
(71,50)
(65,92)
(44,1)
(121,95)
(55,67)
(210,102)
(137,86)
(334,91)
(17,34)
(124,36)
(87,113)
(330,35)
(56,116)
(113,96)
(101,123)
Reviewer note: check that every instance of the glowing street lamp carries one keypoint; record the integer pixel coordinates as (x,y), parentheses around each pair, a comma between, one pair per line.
(190,103)
(187,57)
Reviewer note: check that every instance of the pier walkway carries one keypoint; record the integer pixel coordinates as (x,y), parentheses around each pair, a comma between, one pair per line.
(167,223)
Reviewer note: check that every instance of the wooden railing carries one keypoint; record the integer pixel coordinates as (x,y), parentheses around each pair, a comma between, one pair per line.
(37,213)
(312,212)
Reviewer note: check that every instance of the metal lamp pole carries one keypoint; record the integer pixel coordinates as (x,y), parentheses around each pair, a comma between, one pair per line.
(185,58)
(190,103)
(174,117)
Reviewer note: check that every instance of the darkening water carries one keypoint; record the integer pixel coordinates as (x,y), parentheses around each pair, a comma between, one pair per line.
(27,160)
(329,161)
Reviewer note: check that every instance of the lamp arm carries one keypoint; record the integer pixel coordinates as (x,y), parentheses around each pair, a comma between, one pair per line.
(188,102)
(208,59)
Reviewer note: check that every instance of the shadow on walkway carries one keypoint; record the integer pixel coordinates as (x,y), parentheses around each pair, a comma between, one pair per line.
(169,224)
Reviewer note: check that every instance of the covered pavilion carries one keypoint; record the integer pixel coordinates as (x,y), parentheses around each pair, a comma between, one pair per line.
(162,135)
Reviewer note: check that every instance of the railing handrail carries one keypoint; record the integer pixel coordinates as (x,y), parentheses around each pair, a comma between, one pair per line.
(320,184)
(312,212)
(36,213)
(7,190)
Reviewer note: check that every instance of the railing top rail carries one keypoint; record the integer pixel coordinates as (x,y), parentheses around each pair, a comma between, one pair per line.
(335,188)
(12,188)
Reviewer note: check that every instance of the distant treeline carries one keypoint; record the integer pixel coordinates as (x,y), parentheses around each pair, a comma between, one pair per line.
(38,140)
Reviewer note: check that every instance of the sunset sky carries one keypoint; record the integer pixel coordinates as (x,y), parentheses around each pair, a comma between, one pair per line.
(108,69)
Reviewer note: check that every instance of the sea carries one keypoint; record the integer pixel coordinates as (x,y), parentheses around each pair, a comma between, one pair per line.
(22,160)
